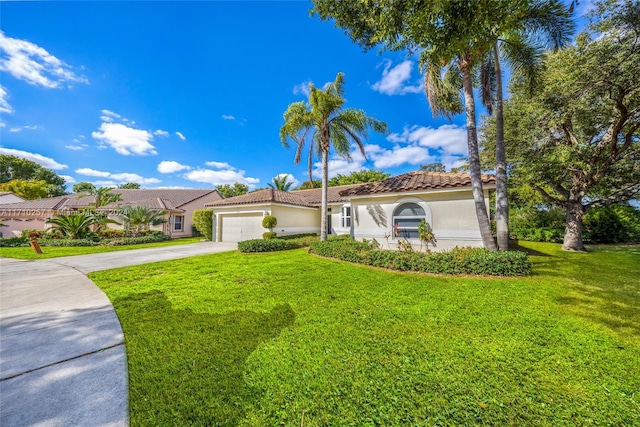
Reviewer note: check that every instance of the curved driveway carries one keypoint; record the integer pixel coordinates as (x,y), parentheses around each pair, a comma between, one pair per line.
(62,355)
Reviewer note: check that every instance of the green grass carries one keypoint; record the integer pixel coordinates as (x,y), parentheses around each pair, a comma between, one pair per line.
(291,339)
(54,252)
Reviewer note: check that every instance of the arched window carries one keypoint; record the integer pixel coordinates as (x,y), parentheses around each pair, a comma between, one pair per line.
(406,218)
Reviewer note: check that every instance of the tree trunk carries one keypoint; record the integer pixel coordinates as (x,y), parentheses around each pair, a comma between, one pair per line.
(474,157)
(573,228)
(502,198)
(325,184)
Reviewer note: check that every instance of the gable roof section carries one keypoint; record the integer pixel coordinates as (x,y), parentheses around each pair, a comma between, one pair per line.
(165,199)
(268,195)
(306,198)
(415,181)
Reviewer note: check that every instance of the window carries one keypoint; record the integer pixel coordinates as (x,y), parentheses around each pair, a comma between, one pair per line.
(345,217)
(406,218)
(178,222)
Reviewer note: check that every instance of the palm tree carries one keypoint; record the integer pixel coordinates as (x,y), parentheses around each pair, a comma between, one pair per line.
(281,182)
(102,197)
(327,124)
(545,22)
(73,226)
(141,218)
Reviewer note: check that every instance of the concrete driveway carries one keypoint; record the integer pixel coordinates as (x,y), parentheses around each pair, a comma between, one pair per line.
(62,354)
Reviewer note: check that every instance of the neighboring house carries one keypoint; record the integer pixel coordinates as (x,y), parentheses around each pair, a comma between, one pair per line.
(390,208)
(9,197)
(178,204)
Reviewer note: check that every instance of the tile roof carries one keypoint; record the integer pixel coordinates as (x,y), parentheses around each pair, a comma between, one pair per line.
(165,199)
(414,181)
(307,198)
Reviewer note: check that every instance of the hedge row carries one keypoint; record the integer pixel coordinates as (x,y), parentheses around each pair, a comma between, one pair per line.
(268,245)
(14,242)
(457,261)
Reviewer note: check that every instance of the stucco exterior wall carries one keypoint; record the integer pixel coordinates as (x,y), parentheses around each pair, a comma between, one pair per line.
(451,214)
(296,220)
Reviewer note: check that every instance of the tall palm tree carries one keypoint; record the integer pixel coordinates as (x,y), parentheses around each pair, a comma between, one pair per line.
(73,226)
(281,182)
(547,23)
(141,218)
(324,124)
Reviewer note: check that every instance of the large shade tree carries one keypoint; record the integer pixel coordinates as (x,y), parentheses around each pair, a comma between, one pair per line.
(16,168)
(576,140)
(323,123)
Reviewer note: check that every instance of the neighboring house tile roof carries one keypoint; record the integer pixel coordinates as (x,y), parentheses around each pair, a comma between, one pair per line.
(165,199)
(306,198)
(414,181)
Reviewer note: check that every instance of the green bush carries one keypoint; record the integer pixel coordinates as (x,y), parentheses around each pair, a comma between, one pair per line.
(151,238)
(457,261)
(612,224)
(110,233)
(270,245)
(269,221)
(269,235)
(297,236)
(67,242)
(202,220)
(31,233)
(14,242)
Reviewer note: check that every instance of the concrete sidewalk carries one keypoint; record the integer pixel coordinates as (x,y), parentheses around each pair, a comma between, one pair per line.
(62,354)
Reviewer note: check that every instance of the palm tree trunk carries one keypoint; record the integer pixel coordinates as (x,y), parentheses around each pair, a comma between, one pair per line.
(325,182)
(474,156)
(502,198)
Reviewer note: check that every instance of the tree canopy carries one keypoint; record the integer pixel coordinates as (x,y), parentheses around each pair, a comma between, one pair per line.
(358,177)
(228,190)
(576,139)
(17,168)
(83,187)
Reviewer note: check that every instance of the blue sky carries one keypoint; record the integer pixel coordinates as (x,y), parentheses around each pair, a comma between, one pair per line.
(191,94)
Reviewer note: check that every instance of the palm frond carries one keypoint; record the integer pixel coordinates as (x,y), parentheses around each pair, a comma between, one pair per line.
(488,83)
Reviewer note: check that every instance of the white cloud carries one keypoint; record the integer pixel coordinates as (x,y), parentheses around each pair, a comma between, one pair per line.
(161,132)
(302,88)
(4,103)
(68,179)
(74,147)
(338,165)
(169,166)
(219,165)
(41,160)
(15,130)
(228,117)
(394,80)
(92,172)
(29,62)
(116,178)
(218,177)
(21,128)
(398,155)
(290,178)
(109,116)
(124,139)
(181,136)
(450,139)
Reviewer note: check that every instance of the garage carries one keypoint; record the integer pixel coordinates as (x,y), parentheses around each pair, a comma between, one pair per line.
(236,228)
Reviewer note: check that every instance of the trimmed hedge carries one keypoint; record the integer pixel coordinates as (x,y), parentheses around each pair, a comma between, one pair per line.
(67,242)
(476,261)
(269,245)
(202,220)
(14,242)
(152,238)
(269,235)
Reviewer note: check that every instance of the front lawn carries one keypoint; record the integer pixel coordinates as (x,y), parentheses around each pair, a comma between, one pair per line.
(55,251)
(291,339)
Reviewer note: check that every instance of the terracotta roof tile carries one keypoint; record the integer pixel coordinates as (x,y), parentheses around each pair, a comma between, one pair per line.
(263,196)
(414,181)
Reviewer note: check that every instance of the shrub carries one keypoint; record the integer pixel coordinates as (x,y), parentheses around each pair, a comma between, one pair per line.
(298,236)
(110,233)
(67,242)
(269,221)
(202,220)
(457,261)
(14,242)
(270,245)
(154,237)
(269,235)
(30,233)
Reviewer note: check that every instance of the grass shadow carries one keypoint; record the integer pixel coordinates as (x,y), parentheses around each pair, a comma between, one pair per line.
(191,362)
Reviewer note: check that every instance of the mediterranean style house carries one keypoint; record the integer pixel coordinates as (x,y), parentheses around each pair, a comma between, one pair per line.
(178,205)
(388,210)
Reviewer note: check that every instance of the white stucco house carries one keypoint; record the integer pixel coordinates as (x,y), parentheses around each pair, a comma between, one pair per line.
(178,205)
(392,208)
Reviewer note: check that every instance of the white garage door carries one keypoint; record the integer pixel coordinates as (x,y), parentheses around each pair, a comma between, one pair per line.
(245,227)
